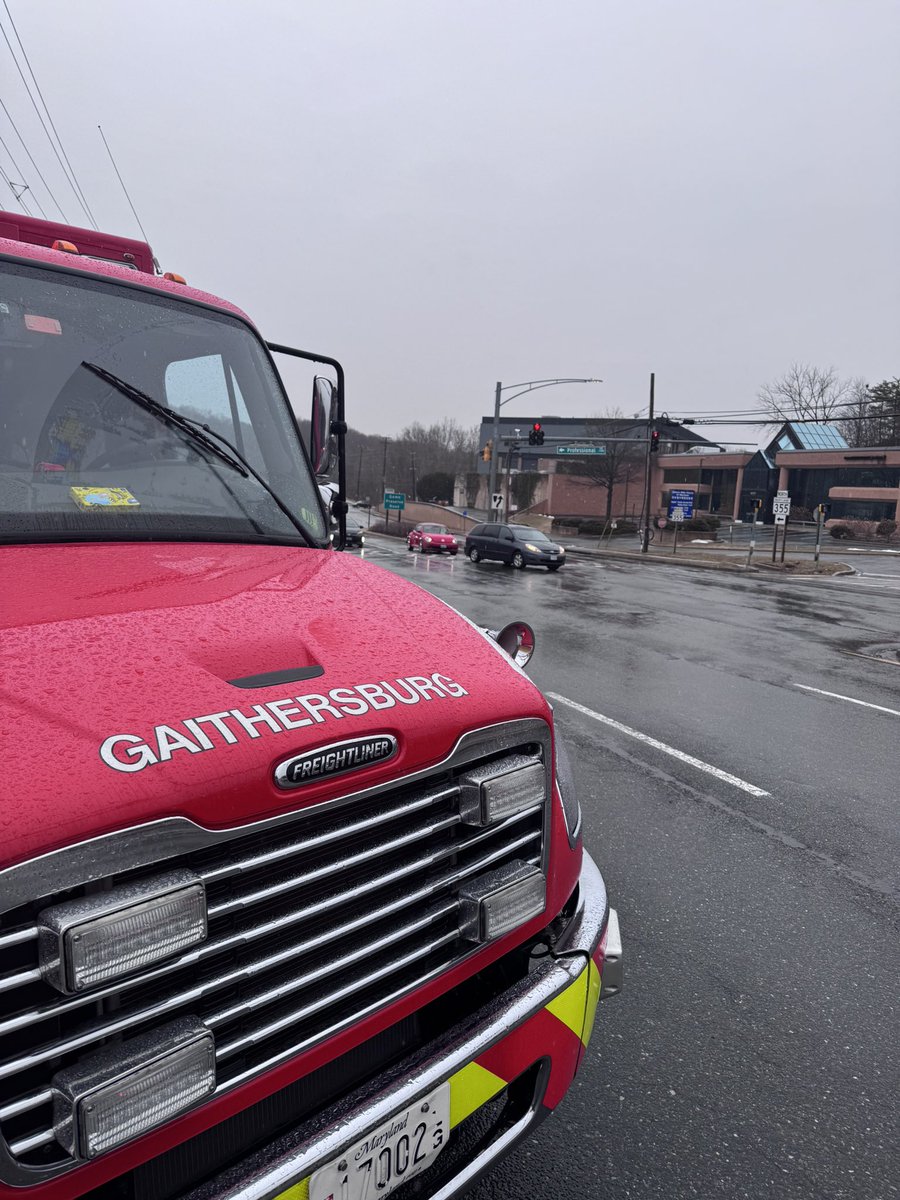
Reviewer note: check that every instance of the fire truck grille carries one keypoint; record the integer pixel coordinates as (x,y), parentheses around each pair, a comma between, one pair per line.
(314,922)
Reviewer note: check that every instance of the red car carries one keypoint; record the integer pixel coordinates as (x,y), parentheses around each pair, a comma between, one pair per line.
(432,539)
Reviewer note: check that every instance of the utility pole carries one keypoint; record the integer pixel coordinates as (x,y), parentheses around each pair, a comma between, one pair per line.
(512,448)
(495,449)
(645,533)
(412,463)
(384,472)
(359,471)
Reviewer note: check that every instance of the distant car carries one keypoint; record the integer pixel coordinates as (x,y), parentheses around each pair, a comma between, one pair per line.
(356,533)
(518,546)
(432,539)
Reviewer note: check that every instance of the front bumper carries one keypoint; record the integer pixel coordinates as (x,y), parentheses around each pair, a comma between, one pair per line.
(538,1029)
(542,560)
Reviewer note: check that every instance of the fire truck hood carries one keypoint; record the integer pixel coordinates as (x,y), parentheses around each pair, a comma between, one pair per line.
(130,685)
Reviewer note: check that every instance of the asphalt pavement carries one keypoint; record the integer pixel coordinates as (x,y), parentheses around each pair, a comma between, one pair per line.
(737,749)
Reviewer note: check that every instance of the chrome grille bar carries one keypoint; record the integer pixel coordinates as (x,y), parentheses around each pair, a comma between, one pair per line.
(8,983)
(17,936)
(340,834)
(298,1014)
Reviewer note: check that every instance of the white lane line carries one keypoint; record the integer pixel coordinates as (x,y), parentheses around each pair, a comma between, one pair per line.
(850,699)
(657,745)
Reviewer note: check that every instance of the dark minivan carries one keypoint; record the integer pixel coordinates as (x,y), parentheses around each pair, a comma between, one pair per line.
(516,545)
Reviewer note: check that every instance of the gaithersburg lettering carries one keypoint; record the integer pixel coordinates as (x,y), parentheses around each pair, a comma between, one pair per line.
(131,752)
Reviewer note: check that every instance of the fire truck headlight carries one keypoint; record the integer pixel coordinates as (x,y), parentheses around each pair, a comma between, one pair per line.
(95,939)
(122,1091)
(489,794)
(500,901)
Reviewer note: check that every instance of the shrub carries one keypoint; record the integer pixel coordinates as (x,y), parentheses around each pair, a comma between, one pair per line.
(592,528)
(840,530)
(885,528)
(624,527)
(699,524)
(799,513)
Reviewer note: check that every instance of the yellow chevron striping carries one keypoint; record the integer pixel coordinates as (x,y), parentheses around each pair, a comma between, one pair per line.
(470,1088)
(576,1007)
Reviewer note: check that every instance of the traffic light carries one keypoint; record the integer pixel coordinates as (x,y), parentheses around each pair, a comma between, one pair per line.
(536,435)
(487,451)
(654,441)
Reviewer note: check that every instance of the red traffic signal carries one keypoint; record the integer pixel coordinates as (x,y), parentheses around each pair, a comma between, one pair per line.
(536,435)
(654,441)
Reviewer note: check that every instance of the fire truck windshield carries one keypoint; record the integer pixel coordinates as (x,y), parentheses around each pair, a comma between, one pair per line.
(79,458)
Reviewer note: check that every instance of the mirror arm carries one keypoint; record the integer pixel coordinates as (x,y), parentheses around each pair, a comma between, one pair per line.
(338,428)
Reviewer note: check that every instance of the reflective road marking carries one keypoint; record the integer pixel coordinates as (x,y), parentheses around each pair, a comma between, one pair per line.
(850,699)
(657,745)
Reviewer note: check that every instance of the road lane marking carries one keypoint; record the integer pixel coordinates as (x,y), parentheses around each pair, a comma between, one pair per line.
(657,745)
(850,699)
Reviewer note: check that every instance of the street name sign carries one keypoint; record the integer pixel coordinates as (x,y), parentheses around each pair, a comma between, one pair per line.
(580,449)
(395,501)
(681,504)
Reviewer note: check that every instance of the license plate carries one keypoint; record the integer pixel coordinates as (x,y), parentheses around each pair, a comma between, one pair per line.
(389,1155)
(554,557)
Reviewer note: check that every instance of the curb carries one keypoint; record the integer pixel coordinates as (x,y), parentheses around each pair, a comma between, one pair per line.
(667,560)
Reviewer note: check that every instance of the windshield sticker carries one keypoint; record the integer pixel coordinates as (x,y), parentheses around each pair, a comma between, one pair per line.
(103,497)
(130,752)
(42,324)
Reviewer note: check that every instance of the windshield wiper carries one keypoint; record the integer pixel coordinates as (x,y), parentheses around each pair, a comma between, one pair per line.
(200,434)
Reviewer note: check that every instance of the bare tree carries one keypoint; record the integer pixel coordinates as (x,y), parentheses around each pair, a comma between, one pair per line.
(806,393)
(858,421)
(621,460)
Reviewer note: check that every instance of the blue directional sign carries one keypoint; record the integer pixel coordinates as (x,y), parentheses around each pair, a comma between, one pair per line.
(681,504)
(395,501)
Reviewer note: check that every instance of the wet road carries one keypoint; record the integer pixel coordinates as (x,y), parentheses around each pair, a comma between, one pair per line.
(751,847)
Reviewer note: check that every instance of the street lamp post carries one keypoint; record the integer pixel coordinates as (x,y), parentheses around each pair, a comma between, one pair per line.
(532,385)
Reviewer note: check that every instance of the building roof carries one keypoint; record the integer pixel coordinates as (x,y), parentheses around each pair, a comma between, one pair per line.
(814,436)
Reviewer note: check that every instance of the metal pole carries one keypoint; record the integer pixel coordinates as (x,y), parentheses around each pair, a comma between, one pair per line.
(495,447)
(645,535)
(752,539)
(509,454)
(675,540)
(783,537)
(818,536)
(384,473)
(774,540)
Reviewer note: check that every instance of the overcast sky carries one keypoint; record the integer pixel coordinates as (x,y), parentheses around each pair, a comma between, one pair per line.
(443,193)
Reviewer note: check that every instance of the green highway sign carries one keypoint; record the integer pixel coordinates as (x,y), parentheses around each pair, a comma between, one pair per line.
(394,500)
(580,449)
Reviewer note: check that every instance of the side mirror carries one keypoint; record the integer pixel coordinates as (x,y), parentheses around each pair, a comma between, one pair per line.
(324,413)
(517,639)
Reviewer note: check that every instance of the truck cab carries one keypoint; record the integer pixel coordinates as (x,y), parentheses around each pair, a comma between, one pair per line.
(293,902)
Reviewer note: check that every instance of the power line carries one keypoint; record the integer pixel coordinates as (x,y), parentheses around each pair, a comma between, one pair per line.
(47,110)
(70,179)
(21,175)
(122,181)
(33,163)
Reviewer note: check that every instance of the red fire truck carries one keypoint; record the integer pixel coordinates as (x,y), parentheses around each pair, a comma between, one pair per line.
(293,901)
